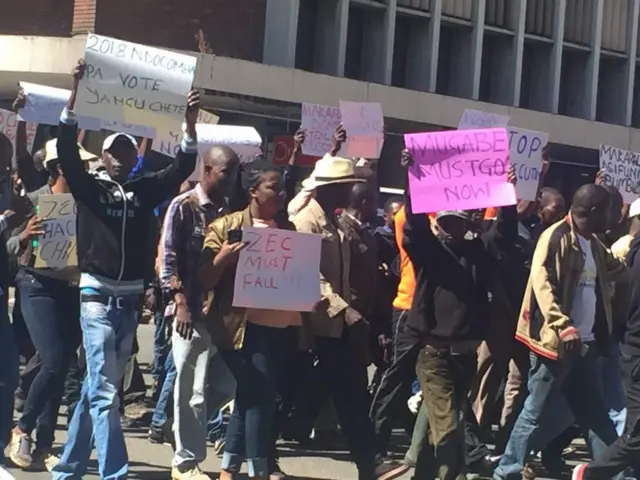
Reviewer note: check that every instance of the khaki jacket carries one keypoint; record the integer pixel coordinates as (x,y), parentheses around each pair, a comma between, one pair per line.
(556,268)
(335,259)
(225,322)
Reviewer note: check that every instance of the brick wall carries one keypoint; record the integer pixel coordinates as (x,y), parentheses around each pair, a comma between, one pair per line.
(233,28)
(84,16)
(36,17)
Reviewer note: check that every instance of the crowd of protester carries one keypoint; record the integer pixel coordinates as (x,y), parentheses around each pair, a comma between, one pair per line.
(525,318)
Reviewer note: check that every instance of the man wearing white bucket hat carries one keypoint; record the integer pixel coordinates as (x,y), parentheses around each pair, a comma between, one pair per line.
(334,321)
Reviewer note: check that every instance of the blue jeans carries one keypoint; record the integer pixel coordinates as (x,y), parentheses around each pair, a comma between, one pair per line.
(256,367)
(51,310)
(9,373)
(108,327)
(614,395)
(166,392)
(553,384)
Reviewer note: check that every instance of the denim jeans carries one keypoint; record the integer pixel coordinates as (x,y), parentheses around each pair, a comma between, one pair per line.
(256,367)
(552,384)
(614,396)
(198,371)
(51,310)
(9,373)
(165,396)
(108,327)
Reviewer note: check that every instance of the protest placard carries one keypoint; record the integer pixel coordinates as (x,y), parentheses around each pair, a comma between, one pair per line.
(245,141)
(476,119)
(44,105)
(134,84)
(621,170)
(57,246)
(320,123)
(9,125)
(278,269)
(459,170)
(364,124)
(525,148)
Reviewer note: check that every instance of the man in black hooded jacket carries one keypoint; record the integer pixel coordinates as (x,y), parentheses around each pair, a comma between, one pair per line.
(114,216)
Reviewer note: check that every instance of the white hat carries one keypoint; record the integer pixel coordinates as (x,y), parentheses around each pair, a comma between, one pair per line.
(634,209)
(330,170)
(51,149)
(108,142)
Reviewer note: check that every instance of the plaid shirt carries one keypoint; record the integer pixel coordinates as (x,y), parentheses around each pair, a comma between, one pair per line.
(181,242)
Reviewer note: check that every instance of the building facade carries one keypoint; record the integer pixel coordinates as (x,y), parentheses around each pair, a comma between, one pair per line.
(567,67)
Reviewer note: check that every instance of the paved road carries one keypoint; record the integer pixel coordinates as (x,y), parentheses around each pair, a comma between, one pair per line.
(149,461)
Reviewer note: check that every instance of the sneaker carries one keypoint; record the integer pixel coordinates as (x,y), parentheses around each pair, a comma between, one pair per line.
(218,446)
(20,449)
(194,474)
(44,460)
(156,434)
(578,471)
(389,471)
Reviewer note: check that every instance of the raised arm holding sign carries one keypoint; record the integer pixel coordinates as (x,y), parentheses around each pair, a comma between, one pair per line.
(134,83)
(459,170)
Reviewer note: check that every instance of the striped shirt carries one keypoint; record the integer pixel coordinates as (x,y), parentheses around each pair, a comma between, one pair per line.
(181,240)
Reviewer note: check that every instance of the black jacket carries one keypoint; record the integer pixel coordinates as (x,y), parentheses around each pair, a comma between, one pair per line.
(632,334)
(114,220)
(451,300)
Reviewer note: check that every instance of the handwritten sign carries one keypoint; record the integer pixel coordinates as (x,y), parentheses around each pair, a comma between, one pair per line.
(134,84)
(320,123)
(473,119)
(459,170)
(44,105)
(245,141)
(57,246)
(621,170)
(9,125)
(365,126)
(279,270)
(525,149)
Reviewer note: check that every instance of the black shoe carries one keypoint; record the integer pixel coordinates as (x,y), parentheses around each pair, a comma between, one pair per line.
(156,434)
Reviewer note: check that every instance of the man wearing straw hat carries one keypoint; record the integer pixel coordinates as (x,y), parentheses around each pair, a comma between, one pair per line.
(334,322)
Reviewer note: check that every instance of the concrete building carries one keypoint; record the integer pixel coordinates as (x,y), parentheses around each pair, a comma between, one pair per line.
(567,67)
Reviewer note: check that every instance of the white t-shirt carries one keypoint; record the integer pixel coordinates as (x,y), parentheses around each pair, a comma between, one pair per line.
(583,310)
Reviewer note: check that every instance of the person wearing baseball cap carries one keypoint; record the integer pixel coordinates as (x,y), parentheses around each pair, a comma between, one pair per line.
(49,299)
(115,215)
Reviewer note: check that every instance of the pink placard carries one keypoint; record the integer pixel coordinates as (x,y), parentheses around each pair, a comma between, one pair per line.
(459,170)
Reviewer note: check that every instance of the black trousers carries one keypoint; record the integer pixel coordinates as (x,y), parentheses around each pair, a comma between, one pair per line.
(625,451)
(389,402)
(344,375)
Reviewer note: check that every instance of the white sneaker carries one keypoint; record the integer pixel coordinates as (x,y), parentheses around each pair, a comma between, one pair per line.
(414,403)
(194,474)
